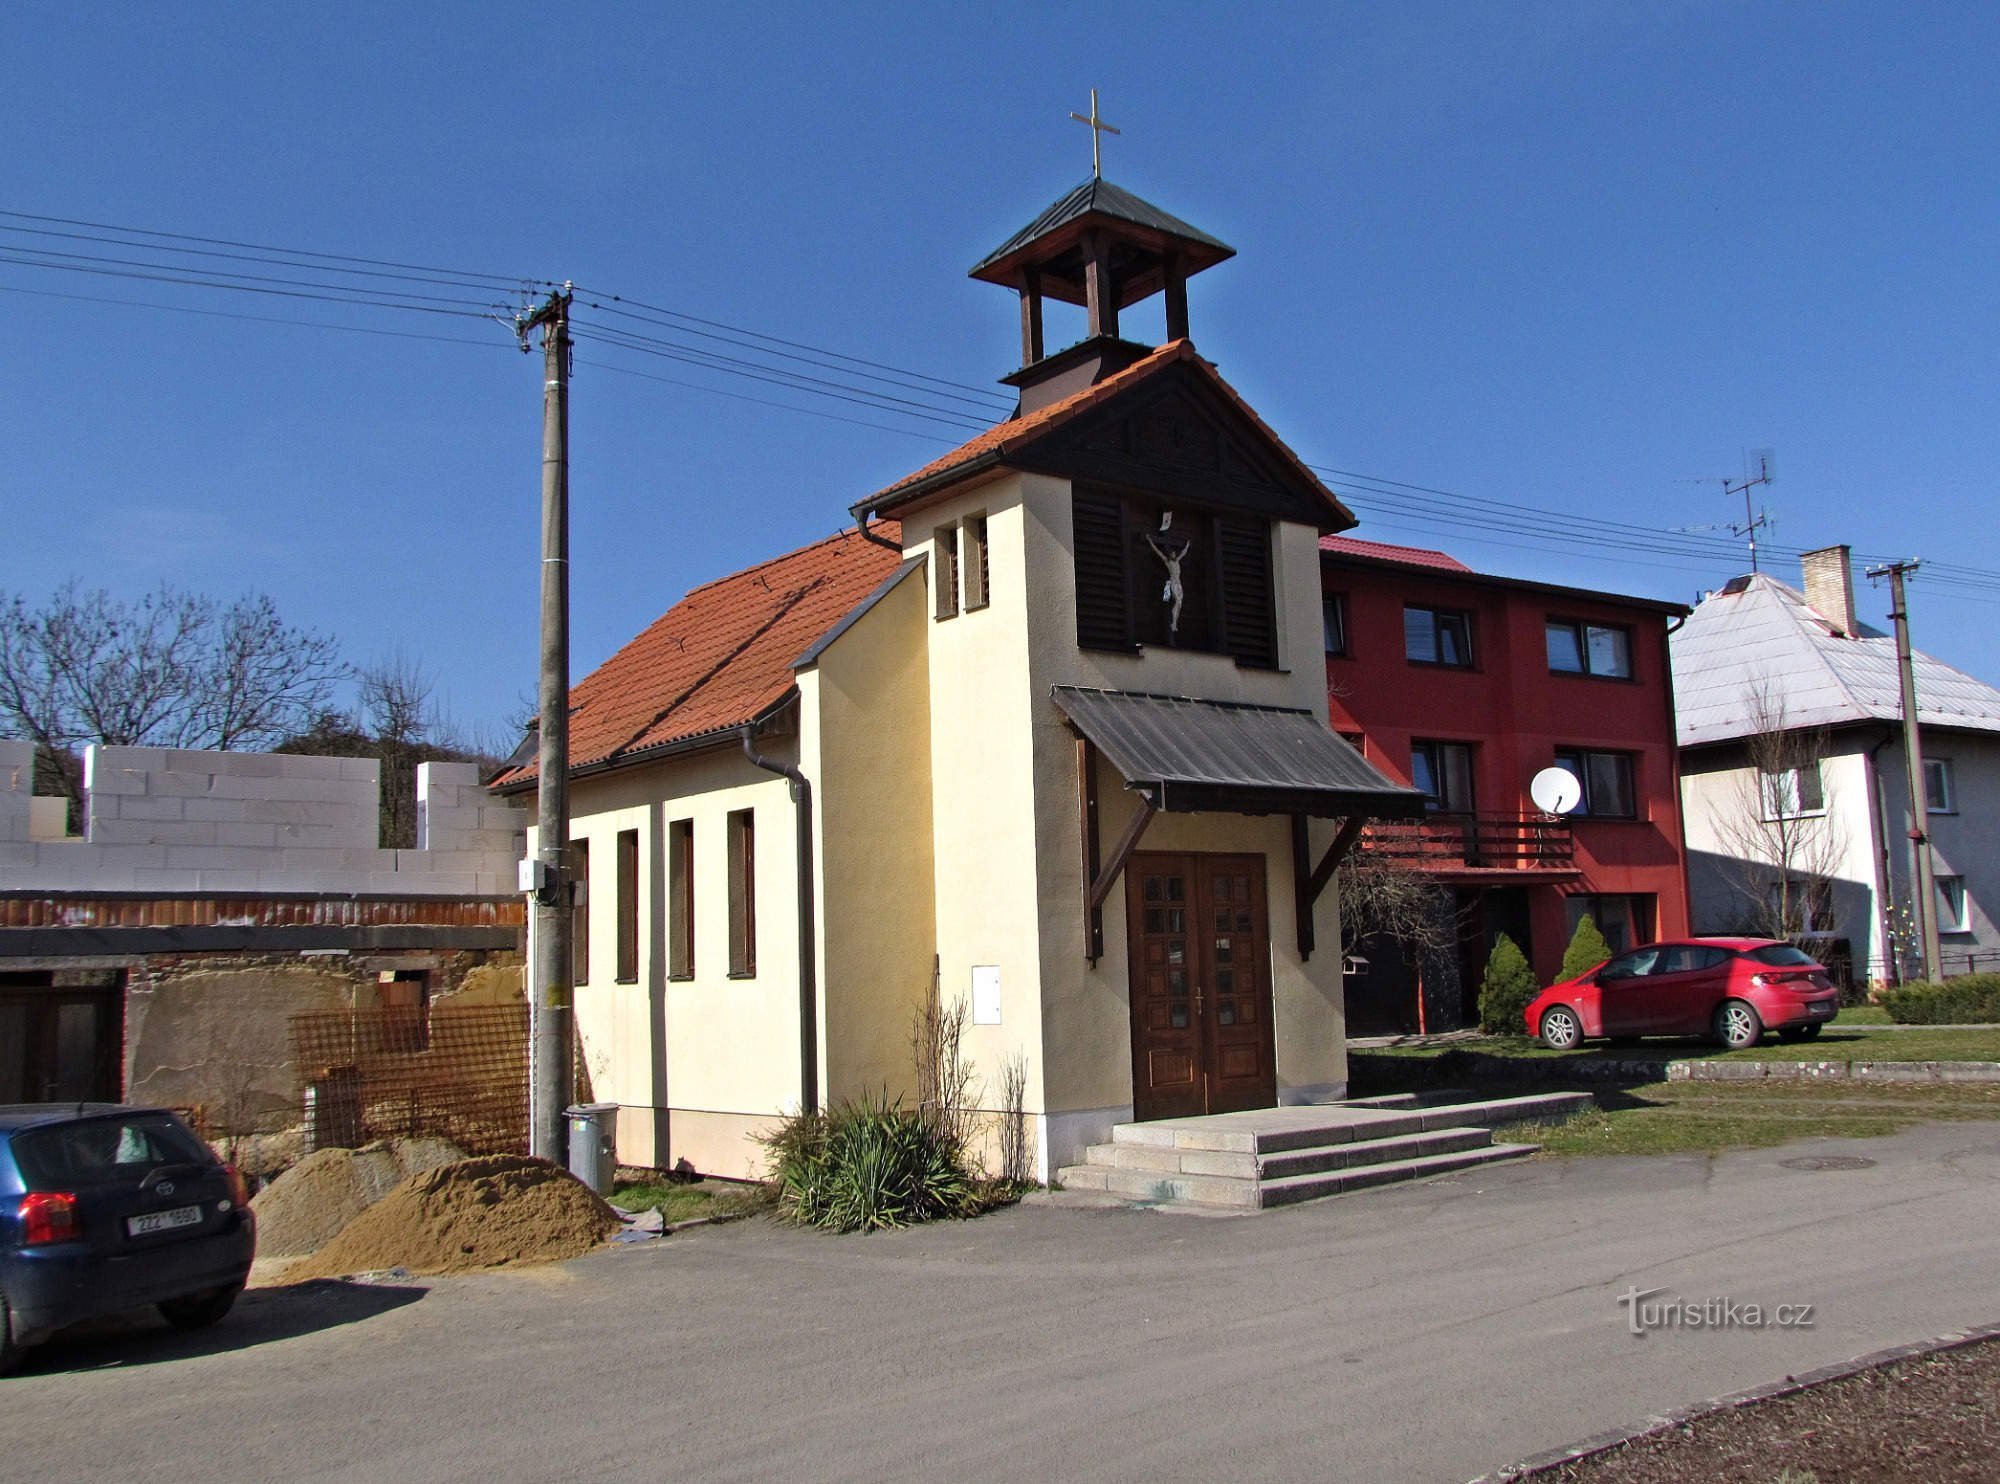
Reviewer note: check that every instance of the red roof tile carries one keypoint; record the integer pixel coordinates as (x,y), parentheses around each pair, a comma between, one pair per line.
(1381,551)
(996,442)
(720,657)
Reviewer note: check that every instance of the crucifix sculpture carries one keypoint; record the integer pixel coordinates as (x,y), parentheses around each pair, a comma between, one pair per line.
(1171,547)
(1098,129)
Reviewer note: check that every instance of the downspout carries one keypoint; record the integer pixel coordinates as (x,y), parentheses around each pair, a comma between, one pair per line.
(861,523)
(801,791)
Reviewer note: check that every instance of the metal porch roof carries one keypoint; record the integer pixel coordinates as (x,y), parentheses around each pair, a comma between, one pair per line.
(1195,756)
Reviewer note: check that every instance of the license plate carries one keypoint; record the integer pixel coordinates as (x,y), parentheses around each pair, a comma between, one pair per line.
(1821,1007)
(162,1221)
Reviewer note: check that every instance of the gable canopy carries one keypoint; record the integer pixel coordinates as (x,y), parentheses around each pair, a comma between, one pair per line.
(1167,423)
(1192,756)
(1052,245)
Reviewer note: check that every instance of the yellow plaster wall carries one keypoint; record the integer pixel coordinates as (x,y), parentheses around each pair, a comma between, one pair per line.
(865,740)
(710,1044)
(984,708)
(1086,1010)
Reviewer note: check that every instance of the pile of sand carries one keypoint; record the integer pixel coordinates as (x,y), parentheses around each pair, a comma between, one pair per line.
(307,1206)
(495,1211)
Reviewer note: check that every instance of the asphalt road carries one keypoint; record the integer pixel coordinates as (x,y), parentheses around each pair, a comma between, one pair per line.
(1421,1332)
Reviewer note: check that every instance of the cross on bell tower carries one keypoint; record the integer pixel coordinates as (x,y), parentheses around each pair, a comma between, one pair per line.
(1098,129)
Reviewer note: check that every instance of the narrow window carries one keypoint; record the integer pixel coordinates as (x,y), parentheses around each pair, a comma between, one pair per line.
(742,894)
(1939,797)
(1103,611)
(1333,620)
(1951,904)
(944,545)
(1603,650)
(579,918)
(976,591)
(1606,779)
(1437,636)
(680,899)
(1624,919)
(628,906)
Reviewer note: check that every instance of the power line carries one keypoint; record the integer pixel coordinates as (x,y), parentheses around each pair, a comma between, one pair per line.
(762,401)
(261,319)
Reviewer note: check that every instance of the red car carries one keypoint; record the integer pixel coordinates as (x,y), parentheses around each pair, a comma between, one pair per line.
(1733,989)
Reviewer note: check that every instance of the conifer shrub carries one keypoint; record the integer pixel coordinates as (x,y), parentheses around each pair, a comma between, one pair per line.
(1587,949)
(1505,989)
(1973,999)
(866,1166)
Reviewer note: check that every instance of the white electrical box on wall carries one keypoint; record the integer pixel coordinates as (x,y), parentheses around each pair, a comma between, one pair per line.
(985,994)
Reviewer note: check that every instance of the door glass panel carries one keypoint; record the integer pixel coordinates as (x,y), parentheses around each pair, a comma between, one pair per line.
(1222,917)
(76,1051)
(1225,1012)
(1243,922)
(1152,888)
(1222,950)
(1176,889)
(1177,981)
(1225,981)
(1176,954)
(1156,921)
(1180,1017)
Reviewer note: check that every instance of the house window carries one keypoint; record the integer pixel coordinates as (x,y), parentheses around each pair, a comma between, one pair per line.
(1152,574)
(1333,620)
(1940,797)
(404,996)
(742,894)
(1589,649)
(628,906)
(1789,793)
(1442,772)
(944,569)
(1800,905)
(1607,782)
(579,912)
(1952,905)
(1437,636)
(680,899)
(1625,918)
(977,589)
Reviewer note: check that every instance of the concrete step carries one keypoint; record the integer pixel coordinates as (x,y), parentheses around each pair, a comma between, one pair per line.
(1163,1161)
(1372,1152)
(1296,1188)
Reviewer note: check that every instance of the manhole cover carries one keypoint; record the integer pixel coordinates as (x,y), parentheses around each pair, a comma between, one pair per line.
(1828,1162)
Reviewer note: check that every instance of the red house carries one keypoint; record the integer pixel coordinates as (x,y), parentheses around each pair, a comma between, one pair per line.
(1466,686)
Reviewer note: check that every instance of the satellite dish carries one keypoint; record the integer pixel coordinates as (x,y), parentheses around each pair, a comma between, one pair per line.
(1555,791)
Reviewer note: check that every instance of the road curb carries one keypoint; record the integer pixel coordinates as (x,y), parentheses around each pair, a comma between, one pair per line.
(1625,1069)
(1604,1442)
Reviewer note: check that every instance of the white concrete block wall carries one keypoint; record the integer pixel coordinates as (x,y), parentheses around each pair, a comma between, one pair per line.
(170,821)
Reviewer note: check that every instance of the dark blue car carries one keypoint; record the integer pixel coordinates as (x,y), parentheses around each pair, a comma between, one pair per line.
(105,1208)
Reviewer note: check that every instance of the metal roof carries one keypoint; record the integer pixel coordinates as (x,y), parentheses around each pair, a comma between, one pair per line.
(1762,637)
(1221,757)
(1106,199)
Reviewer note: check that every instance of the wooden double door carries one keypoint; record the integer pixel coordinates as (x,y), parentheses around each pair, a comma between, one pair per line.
(1200,954)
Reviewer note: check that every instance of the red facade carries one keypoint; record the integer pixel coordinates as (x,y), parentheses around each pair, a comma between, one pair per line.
(1467,686)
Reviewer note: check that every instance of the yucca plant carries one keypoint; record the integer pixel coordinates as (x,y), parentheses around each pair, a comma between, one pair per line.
(866,1166)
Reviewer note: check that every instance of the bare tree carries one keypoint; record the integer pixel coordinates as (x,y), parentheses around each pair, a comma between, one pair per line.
(173,669)
(396,710)
(1384,897)
(1784,845)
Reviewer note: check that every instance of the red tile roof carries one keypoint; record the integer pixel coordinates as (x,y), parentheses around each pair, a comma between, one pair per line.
(1381,551)
(997,442)
(720,657)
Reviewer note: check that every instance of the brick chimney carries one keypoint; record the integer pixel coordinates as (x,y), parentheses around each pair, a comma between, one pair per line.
(1830,586)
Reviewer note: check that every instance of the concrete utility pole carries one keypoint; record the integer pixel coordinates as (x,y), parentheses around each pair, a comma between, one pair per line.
(1923,892)
(548,878)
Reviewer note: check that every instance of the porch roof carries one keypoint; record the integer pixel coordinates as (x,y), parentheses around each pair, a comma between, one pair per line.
(1191,756)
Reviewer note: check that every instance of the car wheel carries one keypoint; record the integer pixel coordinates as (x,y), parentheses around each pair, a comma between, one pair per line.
(1561,1030)
(200,1310)
(10,1353)
(1737,1025)
(1799,1033)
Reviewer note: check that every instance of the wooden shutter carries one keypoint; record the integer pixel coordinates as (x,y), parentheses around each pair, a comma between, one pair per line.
(1102,611)
(1244,550)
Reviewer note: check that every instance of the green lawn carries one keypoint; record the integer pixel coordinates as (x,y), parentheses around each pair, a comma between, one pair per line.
(684,1200)
(1696,1117)
(1841,1041)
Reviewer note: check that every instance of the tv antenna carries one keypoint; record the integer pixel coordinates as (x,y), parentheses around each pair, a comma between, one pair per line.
(1762,469)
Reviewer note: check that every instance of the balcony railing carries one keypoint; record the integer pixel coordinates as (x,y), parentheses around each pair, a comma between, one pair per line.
(1523,842)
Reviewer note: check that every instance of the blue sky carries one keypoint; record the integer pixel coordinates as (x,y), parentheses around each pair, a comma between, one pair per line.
(1563,261)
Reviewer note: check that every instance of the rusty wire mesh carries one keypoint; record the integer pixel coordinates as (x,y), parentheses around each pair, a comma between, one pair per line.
(458,1074)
